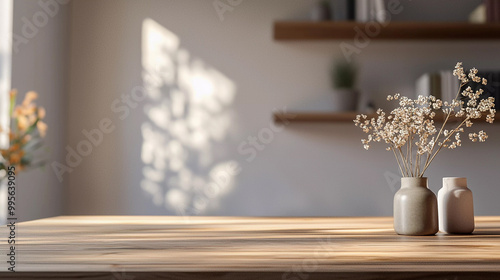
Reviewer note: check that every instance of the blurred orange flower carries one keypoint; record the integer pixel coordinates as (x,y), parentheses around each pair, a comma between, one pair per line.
(42,128)
(26,127)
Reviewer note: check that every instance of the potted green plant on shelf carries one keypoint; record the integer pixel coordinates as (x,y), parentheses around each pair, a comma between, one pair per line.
(344,78)
(411,134)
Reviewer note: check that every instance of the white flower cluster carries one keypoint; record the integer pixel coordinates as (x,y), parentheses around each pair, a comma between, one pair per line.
(410,131)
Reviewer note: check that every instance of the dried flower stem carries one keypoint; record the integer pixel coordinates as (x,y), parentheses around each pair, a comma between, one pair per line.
(428,159)
(397,160)
(433,156)
(405,163)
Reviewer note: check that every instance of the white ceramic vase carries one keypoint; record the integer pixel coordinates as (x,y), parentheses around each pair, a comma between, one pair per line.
(455,206)
(415,208)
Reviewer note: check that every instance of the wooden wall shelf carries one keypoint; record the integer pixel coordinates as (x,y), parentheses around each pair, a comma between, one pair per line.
(333,117)
(329,30)
(315,117)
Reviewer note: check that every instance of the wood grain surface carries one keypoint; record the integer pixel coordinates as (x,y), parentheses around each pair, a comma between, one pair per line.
(160,247)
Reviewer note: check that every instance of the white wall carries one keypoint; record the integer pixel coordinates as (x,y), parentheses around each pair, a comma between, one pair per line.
(307,169)
(5,78)
(5,66)
(40,63)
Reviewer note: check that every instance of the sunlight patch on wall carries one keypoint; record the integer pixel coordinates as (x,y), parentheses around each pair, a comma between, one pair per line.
(188,114)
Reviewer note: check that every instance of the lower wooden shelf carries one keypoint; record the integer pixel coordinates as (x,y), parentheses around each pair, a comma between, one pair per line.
(332,117)
(316,117)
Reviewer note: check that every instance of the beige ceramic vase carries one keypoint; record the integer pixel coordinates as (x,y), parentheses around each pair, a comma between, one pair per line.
(415,208)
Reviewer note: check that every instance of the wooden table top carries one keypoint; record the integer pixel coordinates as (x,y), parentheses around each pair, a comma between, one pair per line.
(297,246)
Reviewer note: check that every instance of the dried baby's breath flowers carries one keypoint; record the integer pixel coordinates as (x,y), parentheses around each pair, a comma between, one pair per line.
(410,130)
